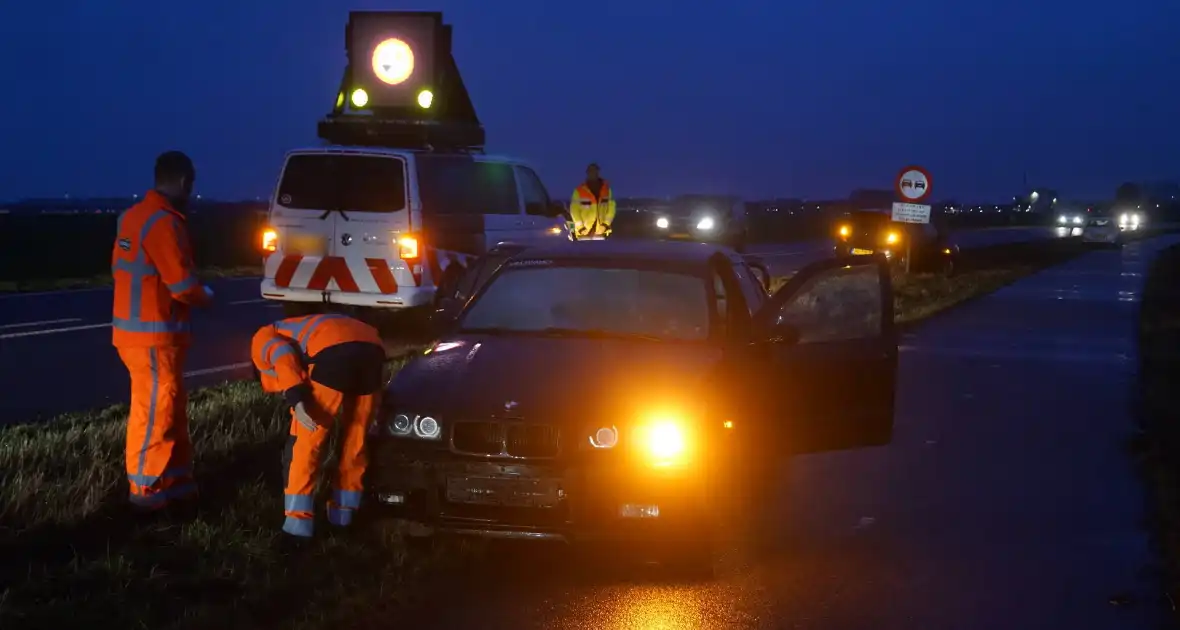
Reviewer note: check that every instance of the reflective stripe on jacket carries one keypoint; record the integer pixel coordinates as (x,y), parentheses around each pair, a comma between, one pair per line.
(284,351)
(154,276)
(587,210)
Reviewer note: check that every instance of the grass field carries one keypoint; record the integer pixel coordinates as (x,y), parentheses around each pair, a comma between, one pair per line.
(72,558)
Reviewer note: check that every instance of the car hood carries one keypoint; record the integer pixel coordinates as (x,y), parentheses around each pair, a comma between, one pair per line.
(479,376)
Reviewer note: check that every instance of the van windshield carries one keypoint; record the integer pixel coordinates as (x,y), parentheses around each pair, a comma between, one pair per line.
(351,183)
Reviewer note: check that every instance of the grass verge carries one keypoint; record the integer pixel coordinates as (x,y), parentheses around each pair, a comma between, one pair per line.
(65,284)
(1158,446)
(72,557)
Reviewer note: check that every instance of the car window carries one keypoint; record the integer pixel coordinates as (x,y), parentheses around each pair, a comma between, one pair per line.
(528,296)
(536,198)
(455,184)
(837,305)
(352,183)
(752,289)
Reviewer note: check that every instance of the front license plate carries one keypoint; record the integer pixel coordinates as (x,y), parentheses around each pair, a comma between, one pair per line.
(506,491)
(681,235)
(856,251)
(306,245)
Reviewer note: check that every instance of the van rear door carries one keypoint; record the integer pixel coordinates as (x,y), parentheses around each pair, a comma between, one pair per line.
(341,213)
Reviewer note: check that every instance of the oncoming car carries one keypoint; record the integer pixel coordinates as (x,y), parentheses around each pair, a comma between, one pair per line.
(703,218)
(629,390)
(1101,229)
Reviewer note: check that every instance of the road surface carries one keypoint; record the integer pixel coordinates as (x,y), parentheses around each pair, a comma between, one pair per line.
(56,357)
(1005,501)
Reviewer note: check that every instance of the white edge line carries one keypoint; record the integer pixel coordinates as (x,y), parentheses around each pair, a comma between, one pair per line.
(215,370)
(51,331)
(25,294)
(42,323)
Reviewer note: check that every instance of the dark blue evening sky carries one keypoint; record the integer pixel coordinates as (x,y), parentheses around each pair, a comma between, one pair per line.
(760,97)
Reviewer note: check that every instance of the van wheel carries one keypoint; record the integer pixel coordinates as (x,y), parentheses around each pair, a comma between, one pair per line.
(299,309)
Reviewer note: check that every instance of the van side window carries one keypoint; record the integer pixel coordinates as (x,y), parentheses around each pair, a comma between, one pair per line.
(536,198)
(457,184)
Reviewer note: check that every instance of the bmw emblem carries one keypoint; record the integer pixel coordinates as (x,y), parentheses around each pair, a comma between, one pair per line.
(346,239)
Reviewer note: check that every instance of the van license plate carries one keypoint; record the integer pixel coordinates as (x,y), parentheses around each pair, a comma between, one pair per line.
(857,251)
(306,245)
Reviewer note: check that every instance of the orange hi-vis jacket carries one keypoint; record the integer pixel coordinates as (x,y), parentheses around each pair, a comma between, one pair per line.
(283,365)
(155,279)
(589,211)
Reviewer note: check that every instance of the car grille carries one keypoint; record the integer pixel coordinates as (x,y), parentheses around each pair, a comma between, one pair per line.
(506,439)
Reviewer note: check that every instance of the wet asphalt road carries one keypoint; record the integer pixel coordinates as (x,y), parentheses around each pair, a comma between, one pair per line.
(55,352)
(1005,501)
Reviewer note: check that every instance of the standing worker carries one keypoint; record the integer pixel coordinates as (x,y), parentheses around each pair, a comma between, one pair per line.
(326,366)
(155,285)
(592,206)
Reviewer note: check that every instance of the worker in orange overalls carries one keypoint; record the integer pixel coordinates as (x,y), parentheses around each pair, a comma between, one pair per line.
(326,366)
(155,285)
(592,206)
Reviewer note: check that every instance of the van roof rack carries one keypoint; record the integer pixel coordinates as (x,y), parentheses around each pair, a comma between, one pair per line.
(397,116)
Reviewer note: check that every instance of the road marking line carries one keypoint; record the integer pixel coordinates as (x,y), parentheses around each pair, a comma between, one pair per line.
(53,331)
(215,370)
(42,323)
(256,301)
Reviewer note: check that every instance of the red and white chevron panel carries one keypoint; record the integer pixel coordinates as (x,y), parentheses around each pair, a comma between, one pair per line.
(355,275)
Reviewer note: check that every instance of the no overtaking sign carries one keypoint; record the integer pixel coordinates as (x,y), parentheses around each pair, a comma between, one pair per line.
(912,187)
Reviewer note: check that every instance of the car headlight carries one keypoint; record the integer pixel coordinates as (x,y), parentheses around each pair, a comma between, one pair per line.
(705,224)
(413,426)
(1077,220)
(1063,219)
(663,442)
(662,223)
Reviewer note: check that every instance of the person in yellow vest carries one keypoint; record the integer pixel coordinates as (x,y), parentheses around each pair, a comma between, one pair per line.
(592,207)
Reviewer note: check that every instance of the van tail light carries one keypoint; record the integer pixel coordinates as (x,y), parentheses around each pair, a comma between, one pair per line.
(409,250)
(270,240)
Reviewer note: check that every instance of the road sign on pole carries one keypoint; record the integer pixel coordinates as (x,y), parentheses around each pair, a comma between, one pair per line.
(913,186)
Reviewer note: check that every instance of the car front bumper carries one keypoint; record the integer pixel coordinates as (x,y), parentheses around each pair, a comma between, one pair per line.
(584,500)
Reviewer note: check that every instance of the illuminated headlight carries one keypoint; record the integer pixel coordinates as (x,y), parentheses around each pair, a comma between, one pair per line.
(1077,220)
(705,224)
(605,437)
(416,426)
(1063,219)
(663,442)
(662,223)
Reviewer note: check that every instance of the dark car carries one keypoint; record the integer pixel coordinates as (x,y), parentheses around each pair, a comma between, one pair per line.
(625,390)
(704,219)
(873,232)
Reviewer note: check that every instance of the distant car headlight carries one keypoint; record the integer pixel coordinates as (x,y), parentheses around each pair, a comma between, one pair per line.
(1077,220)
(662,223)
(1063,219)
(413,426)
(705,224)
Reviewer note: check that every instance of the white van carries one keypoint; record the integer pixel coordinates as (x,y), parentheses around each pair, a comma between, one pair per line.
(383,228)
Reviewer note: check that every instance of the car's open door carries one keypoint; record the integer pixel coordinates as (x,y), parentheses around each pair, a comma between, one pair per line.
(826,358)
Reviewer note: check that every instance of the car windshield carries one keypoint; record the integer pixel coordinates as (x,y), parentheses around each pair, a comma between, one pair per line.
(592,302)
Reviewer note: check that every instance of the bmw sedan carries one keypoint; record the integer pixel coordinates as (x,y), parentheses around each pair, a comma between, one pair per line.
(629,391)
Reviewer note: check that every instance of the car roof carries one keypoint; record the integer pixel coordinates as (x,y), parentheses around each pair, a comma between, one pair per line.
(682,252)
(361,150)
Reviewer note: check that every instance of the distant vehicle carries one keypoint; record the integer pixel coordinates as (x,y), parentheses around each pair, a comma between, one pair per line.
(630,390)
(1101,229)
(873,231)
(1071,218)
(1131,220)
(703,218)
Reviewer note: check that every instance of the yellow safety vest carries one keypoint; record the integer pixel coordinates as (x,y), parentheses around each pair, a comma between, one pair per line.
(592,216)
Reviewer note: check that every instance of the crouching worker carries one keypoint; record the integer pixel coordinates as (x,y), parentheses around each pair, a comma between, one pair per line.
(329,369)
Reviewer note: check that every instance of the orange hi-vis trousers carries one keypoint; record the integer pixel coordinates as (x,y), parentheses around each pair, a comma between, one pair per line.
(159,451)
(304,456)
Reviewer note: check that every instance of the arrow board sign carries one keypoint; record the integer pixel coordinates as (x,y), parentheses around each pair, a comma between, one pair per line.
(911,213)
